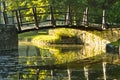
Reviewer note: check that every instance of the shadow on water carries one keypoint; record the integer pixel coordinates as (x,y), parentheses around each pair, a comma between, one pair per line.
(8,64)
(64,62)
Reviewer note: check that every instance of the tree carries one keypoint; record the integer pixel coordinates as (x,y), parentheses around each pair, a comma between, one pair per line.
(77,8)
(104,4)
(113,13)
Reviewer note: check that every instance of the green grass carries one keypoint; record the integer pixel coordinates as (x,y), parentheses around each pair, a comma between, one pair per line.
(46,38)
(117,43)
(30,35)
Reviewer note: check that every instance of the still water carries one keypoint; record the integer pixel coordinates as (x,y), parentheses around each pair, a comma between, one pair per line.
(59,62)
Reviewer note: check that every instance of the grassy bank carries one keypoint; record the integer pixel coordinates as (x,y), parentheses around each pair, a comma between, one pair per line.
(116,43)
(56,36)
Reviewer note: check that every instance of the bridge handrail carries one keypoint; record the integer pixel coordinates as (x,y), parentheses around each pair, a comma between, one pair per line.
(67,16)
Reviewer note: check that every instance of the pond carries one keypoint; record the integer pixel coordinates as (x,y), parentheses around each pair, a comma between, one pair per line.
(59,62)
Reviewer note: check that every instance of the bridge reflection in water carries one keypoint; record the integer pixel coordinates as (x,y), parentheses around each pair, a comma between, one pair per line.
(58,63)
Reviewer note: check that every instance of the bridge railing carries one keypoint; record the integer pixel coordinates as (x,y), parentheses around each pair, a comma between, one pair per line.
(52,16)
(47,16)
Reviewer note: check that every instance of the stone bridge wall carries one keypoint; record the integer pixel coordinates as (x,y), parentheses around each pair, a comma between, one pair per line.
(98,39)
(8,38)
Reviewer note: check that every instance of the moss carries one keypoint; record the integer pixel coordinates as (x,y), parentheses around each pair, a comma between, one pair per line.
(63,32)
(117,43)
(45,38)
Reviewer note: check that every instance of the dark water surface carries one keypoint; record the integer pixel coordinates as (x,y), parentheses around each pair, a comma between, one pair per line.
(65,62)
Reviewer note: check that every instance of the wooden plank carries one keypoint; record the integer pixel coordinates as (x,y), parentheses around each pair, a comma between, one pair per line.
(63,26)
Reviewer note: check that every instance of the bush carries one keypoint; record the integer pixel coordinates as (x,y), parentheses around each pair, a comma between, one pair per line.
(63,32)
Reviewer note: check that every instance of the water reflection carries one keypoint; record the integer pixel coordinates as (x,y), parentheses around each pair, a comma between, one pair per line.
(8,65)
(59,63)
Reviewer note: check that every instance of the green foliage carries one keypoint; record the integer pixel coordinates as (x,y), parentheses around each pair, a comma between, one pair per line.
(15,4)
(103,4)
(113,13)
(77,7)
(45,39)
(64,32)
(117,43)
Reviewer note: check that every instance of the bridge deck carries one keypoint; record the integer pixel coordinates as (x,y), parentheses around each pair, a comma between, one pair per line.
(32,28)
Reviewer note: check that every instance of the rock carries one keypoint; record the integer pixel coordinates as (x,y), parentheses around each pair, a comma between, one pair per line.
(8,37)
(112,49)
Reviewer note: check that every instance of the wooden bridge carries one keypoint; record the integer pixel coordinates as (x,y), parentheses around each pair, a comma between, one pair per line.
(45,17)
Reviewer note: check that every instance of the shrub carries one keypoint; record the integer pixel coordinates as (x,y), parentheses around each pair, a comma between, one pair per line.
(63,32)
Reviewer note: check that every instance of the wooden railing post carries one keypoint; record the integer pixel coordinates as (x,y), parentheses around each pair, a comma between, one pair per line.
(85,17)
(4,13)
(103,20)
(5,17)
(35,17)
(20,17)
(69,17)
(18,21)
(53,22)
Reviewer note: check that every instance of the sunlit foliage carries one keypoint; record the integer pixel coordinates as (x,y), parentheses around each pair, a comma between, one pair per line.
(112,7)
(14,4)
(61,32)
